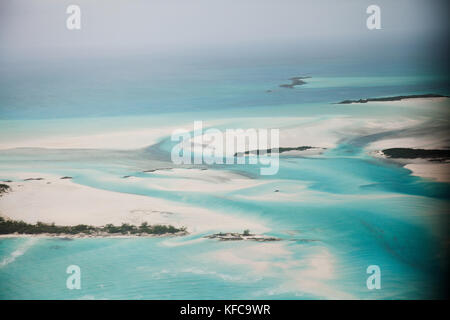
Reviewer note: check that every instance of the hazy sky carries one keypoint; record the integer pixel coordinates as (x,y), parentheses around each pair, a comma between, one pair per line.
(38,27)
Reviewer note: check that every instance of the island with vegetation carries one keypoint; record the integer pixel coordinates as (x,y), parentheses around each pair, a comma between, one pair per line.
(4,188)
(410,153)
(12,227)
(246,235)
(275,150)
(395,98)
(295,81)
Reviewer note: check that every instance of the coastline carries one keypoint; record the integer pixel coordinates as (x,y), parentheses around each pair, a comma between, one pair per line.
(64,202)
(90,236)
(420,167)
(395,98)
(420,147)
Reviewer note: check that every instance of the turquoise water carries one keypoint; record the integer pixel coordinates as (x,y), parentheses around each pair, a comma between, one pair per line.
(360,211)
(352,210)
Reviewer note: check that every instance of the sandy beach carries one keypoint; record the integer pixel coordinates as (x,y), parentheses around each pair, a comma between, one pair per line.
(63,202)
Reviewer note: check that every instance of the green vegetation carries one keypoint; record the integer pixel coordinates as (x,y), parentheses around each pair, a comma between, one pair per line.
(295,81)
(408,153)
(4,188)
(11,226)
(396,98)
(269,151)
(246,232)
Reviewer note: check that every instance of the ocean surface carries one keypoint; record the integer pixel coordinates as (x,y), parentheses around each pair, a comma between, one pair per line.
(354,210)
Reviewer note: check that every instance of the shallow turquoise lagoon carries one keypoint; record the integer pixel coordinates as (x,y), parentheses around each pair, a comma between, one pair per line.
(345,210)
(353,212)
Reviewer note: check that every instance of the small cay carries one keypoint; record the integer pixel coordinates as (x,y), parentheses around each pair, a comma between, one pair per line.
(409,153)
(395,98)
(4,188)
(295,81)
(82,230)
(279,150)
(246,235)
